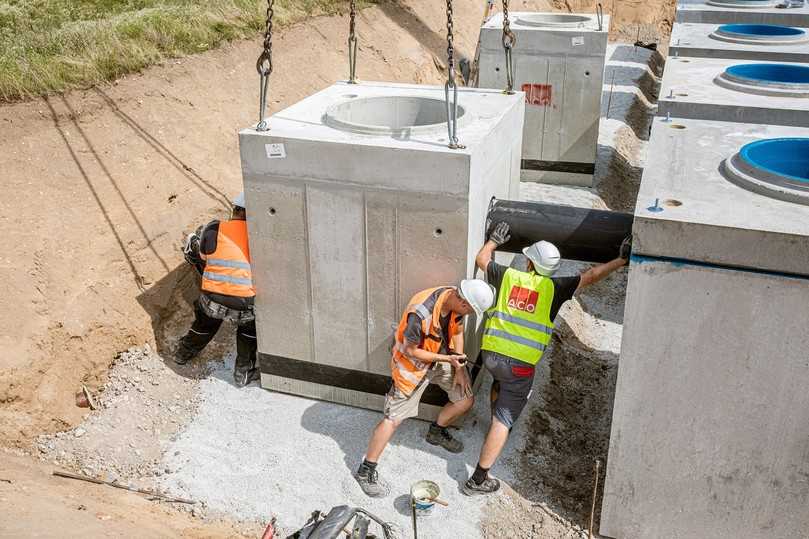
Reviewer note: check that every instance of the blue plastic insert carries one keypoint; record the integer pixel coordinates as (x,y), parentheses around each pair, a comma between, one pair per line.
(760,30)
(787,157)
(780,73)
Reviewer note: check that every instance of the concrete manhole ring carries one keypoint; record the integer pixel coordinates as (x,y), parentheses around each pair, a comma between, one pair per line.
(777,168)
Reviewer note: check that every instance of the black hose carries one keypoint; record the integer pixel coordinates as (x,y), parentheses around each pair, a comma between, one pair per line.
(579,233)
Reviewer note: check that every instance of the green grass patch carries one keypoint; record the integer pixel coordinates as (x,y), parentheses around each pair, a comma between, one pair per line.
(54,45)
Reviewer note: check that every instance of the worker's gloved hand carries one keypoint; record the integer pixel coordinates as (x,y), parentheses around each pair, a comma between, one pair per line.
(500,233)
(626,248)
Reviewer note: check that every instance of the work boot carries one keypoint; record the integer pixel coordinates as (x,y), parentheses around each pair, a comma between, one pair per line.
(440,436)
(488,486)
(368,478)
(243,377)
(184,355)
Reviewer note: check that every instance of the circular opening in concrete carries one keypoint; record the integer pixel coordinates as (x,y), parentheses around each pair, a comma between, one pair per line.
(560,20)
(778,168)
(677,126)
(437,232)
(760,34)
(787,80)
(672,202)
(751,4)
(271,211)
(391,115)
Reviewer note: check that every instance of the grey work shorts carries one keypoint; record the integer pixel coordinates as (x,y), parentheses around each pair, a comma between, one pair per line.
(513,380)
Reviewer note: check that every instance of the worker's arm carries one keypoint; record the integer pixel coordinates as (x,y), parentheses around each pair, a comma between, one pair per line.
(412,350)
(498,237)
(598,273)
(461,375)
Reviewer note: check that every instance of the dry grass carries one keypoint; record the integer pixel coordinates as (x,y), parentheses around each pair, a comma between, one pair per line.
(53,45)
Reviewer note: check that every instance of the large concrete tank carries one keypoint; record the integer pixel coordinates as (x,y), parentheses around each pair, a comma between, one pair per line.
(741,11)
(559,63)
(740,41)
(709,430)
(355,203)
(721,89)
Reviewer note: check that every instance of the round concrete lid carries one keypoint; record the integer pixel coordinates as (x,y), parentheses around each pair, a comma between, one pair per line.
(736,4)
(556,20)
(778,168)
(760,34)
(389,115)
(784,80)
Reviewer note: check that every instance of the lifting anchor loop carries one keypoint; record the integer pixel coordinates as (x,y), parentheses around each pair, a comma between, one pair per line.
(352,43)
(452,108)
(509,39)
(264,68)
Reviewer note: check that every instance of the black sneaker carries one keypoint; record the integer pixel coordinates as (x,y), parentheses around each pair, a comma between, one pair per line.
(184,355)
(369,482)
(489,485)
(441,436)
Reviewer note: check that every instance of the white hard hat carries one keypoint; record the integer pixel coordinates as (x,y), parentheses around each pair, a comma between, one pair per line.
(238,200)
(544,256)
(479,294)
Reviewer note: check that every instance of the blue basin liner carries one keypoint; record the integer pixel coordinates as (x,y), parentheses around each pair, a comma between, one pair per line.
(760,30)
(774,73)
(785,157)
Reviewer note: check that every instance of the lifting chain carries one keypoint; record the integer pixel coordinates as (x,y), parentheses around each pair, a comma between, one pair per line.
(509,39)
(452,108)
(352,43)
(264,68)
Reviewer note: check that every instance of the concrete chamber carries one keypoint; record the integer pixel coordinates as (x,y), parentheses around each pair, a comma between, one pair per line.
(559,64)
(711,410)
(355,203)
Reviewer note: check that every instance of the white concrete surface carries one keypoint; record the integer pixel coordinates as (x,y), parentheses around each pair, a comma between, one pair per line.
(559,63)
(693,40)
(706,217)
(702,12)
(710,418)
(357,203)
(709,432)
(689,90)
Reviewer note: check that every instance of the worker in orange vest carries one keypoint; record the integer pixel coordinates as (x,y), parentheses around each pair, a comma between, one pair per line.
(428,348)
(221,254)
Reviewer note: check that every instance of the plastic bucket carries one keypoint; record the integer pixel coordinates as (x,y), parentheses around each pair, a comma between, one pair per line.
(422,493)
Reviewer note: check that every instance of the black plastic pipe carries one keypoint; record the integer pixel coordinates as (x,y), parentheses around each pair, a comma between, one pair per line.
(579,233)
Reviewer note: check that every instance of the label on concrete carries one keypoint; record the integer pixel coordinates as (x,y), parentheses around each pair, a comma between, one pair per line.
(537,94)
(577,40)
(275,151)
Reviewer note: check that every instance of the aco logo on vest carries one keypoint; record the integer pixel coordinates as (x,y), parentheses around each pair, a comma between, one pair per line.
(523,299)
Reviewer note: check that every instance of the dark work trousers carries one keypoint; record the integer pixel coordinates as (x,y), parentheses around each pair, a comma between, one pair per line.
(205,327)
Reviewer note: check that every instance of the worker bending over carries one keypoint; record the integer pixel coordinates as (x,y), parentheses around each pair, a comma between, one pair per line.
(428,348)
(516,332)
(220,252)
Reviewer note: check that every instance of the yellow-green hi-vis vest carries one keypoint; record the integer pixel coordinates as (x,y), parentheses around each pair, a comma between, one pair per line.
(519,325)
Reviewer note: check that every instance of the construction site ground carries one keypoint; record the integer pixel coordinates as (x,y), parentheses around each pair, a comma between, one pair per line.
(102,185)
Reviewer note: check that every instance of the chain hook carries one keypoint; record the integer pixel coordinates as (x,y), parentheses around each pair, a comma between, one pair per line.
(264,68)
(452,108)
(509,39)
(352,43)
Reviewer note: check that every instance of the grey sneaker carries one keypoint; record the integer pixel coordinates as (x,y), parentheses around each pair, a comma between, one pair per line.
(441,436)
(489,485)
(369,482)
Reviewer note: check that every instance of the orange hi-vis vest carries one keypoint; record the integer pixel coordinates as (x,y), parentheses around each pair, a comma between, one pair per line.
(409,372)
(227,269)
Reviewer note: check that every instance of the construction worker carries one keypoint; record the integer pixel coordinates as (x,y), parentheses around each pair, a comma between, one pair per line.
(220,252)
(428,348)
(517,330)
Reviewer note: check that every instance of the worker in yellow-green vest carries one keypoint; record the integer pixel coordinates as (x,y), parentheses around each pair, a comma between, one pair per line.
(516,331)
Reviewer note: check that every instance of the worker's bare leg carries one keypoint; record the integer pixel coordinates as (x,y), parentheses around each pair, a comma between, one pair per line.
(495,441)
(380,438)
(453,410)
(366,475)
